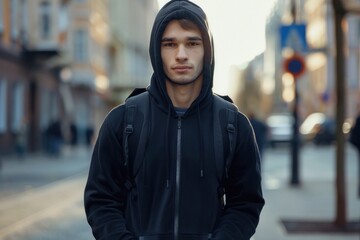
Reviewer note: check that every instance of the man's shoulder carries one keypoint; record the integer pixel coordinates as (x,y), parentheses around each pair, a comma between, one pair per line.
(115,113)
(137,93)
(225,102)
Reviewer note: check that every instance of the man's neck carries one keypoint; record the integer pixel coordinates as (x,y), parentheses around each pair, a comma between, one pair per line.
(182,96)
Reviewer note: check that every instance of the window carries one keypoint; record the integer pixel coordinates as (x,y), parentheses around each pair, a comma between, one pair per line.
(23,20)
(45,20)
(63,18)
(44,107)
(1,16)
(14,19)
(80,45)
(3,104)
(18,107)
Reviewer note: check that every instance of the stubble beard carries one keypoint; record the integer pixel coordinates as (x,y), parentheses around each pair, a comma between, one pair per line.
(183,83)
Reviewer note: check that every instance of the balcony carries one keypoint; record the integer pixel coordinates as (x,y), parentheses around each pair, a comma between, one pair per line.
(42,51)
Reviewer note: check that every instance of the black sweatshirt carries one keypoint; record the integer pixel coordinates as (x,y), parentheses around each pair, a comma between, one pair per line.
(176,190)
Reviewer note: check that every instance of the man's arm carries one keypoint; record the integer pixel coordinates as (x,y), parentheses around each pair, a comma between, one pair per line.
(105,196)
(244,200)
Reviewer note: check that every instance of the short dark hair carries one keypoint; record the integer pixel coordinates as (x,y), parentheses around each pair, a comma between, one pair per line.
(188,24)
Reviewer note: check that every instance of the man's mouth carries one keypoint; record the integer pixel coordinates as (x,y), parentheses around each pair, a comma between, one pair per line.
(181,69)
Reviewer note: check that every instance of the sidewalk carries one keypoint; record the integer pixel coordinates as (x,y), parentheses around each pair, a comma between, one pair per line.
(39,188)
(35,170)
(314,200)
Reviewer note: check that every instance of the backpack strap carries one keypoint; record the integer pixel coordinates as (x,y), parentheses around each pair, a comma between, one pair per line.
(231,130)
(129,129)
(135,104)
(222,163)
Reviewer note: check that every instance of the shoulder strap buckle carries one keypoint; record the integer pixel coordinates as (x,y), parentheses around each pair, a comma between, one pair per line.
(129,129)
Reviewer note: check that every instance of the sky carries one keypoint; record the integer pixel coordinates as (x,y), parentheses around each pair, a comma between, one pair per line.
(238,28)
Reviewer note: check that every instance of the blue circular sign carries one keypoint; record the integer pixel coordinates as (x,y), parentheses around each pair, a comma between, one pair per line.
(295,65)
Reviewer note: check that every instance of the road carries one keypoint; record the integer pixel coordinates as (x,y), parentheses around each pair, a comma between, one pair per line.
(55,211)
(41,197)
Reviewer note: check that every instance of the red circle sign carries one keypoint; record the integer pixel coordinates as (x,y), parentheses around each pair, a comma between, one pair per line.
(295,65)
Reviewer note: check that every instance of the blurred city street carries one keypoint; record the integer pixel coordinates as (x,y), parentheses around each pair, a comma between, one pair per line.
(292,64)
(41,197)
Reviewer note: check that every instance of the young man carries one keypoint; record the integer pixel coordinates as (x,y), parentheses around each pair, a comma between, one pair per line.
(175,191)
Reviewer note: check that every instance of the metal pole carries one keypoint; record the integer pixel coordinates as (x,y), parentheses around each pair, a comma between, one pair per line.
(339,13)
(295,180)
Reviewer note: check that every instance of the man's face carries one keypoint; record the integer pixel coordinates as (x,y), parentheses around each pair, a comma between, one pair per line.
(182,53)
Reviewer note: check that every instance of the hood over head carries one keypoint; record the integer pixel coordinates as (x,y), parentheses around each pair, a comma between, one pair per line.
(179,9)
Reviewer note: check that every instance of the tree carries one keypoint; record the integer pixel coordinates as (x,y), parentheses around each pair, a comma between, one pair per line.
(340,10)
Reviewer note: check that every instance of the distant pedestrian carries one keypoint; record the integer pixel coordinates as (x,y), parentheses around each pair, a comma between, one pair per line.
(73,134)
(355,134)
(54,137)
(260,130)
(355,141)
(21,138)
(89,135)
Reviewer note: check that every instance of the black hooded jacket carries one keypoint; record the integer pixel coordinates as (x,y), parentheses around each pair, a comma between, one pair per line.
(176,190)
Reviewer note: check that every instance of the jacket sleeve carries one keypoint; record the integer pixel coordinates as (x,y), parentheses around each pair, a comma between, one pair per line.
(244,199)
(105,196)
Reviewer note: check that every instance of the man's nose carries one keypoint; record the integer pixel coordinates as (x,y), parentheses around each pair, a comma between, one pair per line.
(181,53)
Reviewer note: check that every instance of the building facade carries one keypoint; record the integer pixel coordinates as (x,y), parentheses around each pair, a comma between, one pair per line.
(30,35)
(68,62)
(87,49)
(129,51)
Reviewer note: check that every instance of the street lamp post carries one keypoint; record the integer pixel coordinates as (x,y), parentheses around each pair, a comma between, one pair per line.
(295,180)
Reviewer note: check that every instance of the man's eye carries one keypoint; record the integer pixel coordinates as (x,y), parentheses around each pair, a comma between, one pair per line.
(193,44)
(168,44)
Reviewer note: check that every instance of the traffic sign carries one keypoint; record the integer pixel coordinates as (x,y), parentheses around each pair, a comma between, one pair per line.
(295,65)
(293,36)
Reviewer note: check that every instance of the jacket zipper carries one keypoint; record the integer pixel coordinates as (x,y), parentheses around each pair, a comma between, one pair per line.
(177,190)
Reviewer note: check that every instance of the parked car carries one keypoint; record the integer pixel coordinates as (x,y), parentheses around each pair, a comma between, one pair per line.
(311,125)
(326,132)
(280,129)
(319,129)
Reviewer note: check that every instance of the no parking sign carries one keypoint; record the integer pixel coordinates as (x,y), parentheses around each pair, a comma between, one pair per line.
(295,65)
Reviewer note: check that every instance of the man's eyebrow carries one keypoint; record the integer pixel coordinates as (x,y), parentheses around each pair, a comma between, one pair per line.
(167,39)
(171,39)
(195,38)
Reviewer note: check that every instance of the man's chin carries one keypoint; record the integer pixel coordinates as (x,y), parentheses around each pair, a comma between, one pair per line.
(183,81)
